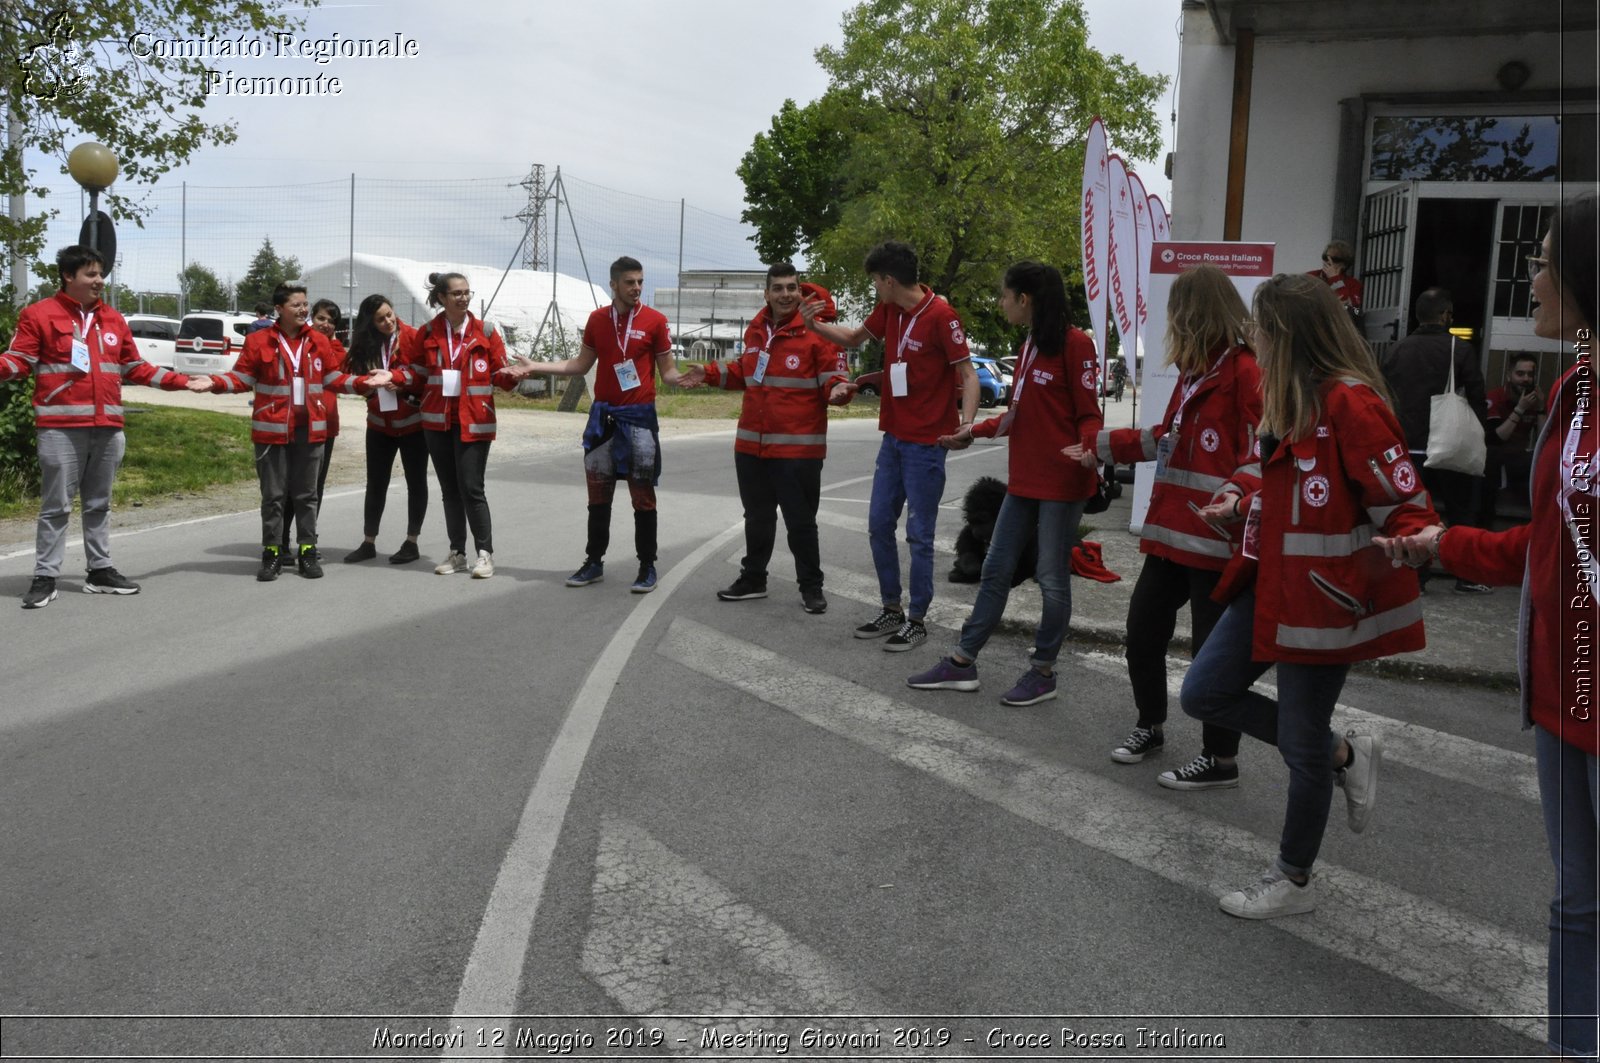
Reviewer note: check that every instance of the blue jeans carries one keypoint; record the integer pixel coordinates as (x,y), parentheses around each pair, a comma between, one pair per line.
(1217,690)
(906,473)
(1569,790)
(1058,530)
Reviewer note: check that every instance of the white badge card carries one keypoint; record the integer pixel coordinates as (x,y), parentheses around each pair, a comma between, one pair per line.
(452,383)
(1251,547)
(1164,447)
(761,366)
(299,390)
(627,376)
(899,382)
(388,401)
(80,355)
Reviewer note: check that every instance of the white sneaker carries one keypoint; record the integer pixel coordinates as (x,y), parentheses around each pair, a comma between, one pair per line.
(483,568)
(1270,896)
(1359,777)
(456,562)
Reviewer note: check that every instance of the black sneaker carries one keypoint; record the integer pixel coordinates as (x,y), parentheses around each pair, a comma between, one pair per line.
(1201,773)
(364,552)
(271,564)
(108,581)
(813,602)
(742,590)
(309,562)
(40,593)
(885,623)
(911,634)
(1140,743)
(406,554)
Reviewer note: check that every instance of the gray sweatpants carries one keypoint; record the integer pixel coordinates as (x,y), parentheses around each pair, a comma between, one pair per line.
(288,472)
(73,460)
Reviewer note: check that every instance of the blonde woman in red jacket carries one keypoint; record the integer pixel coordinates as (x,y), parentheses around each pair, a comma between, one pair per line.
(1553,558)
(1203,447)
(1309,591)
(1052,405)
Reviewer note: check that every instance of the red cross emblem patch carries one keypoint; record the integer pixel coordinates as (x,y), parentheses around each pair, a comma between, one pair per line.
(1405,477)
(1210,440)
(1316,491)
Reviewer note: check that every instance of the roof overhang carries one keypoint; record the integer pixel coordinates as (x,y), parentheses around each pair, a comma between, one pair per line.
(1319,20)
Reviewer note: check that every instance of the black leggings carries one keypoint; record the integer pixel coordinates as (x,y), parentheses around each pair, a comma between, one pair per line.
(460,467)
(1163,588)
(381,449)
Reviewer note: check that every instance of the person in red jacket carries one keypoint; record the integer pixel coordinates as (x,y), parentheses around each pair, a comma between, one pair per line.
(457,366)
(394,426)
(288,367)
(79,351)
(1309,591)
(1337,259)
(1553,558)
(1203,447)
(788,376)
(1053,405)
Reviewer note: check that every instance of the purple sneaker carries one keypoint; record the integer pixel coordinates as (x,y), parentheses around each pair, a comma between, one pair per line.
(946,675)
(1031,689)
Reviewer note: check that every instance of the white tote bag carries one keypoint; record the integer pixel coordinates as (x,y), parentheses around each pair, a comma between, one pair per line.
(1455,437)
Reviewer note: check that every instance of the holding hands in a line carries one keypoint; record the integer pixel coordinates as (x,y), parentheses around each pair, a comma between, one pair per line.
(1081,454)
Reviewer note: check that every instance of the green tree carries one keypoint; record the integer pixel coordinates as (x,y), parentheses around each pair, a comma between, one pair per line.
(792,177)
(266,272)
(71,74)
(202,290)
(963,123)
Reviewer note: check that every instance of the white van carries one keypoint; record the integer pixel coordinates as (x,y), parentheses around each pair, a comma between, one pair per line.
(209,341)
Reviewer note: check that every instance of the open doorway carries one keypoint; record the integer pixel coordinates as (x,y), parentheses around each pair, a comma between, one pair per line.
(1454,249)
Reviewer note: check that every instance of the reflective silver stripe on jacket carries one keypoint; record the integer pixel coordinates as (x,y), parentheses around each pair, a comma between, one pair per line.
(274,389)
(1198,481)
(480,389)
(116,368)
(778,440)
(800,383)
(319,426)
(1102,445)
(1307,544)
(64,411)
(1380,514)
(161,374)
(245,379)
(1253,469)
(55,370)
(480,429)
(434,418)
(1206,546)
(725,378)
(269,426)
(1340,638)
(822,381)
(112,411)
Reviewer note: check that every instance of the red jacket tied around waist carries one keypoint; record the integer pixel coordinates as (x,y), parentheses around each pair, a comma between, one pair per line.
(481,360)
(1324,593)
(1212,448)
(65,396)
(785,411)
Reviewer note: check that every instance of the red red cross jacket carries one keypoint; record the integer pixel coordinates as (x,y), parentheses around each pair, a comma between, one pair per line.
(1324,593)
(1053,406)
(422,363)
(406,417)
(785,413)
(264,366)
(64,396)
(1213,450)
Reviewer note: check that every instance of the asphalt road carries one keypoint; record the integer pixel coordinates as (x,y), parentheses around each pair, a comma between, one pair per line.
(398,809)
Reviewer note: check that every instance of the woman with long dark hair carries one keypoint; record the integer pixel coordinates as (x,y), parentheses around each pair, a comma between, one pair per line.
(1309,592)
(1203,445)
(394,426)
(1052,404)
(457,366)
(1553,558)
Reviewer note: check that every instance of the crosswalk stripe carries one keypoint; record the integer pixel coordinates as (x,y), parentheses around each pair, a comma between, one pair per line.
(1448,756)
(1468,963)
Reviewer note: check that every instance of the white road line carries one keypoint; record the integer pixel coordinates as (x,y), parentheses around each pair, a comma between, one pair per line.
(494,970)
(1448,756)
(1461,960)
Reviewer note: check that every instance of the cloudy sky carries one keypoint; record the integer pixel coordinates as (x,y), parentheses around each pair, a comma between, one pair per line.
(655,100)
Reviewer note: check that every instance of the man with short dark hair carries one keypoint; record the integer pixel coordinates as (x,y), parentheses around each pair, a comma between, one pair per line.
(1417,368)
(622,441)
(788,376)
(1513,417)
(926,364)
(79,352)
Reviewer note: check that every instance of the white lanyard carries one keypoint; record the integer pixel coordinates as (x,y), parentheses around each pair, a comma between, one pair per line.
(768,347)
(1570,481)
(293,353)
(1024,363)
(905,333)
(454,349)
(388,347)
(627,331)
(88,323)
(1190,389)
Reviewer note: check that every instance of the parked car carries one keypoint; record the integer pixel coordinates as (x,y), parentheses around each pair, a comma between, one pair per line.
(209,341)
(992,388)
(155,337)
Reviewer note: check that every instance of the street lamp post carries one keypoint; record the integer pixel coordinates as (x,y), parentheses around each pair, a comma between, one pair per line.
(94,166)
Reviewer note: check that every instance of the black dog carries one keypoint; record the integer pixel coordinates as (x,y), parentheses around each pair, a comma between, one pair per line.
(980,509)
